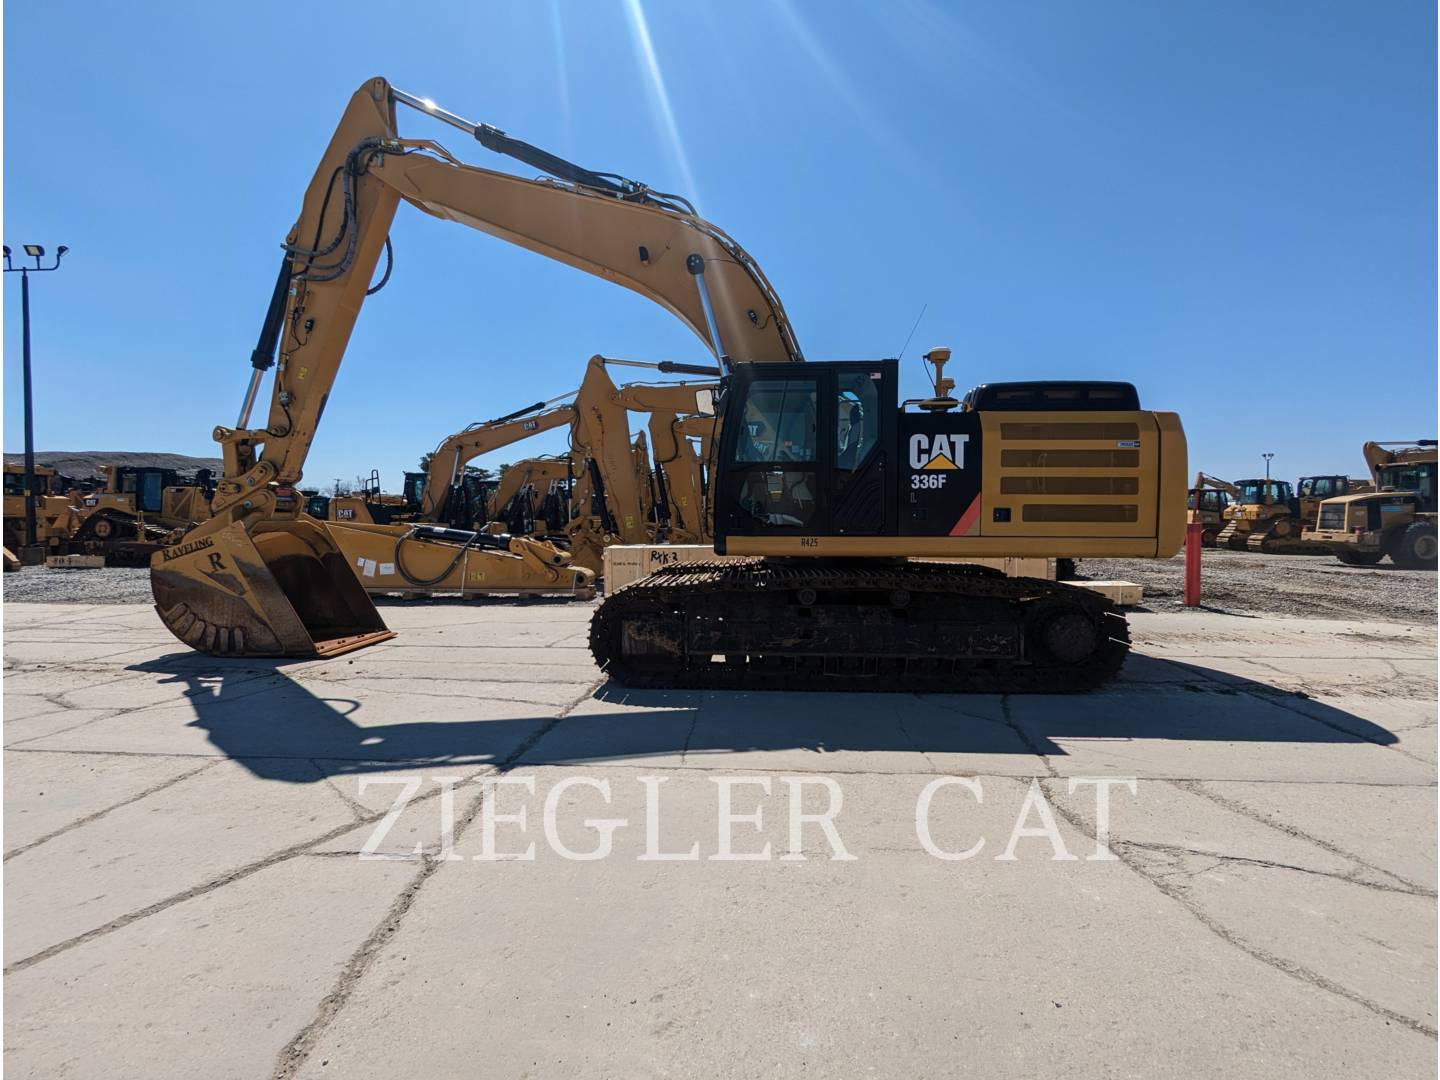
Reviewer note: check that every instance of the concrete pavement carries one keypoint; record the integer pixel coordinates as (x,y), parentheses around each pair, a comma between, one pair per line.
(208,871)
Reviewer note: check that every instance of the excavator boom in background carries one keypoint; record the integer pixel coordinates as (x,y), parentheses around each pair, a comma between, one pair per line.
(450,544)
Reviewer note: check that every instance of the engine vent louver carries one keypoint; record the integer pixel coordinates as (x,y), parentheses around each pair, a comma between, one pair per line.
(1106,473)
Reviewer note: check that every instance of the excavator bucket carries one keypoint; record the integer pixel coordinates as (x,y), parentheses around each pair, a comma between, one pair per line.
(286,590)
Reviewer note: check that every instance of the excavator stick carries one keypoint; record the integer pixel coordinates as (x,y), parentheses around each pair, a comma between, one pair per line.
(284,591)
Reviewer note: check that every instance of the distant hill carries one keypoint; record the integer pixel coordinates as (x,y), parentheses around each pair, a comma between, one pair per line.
(82,463)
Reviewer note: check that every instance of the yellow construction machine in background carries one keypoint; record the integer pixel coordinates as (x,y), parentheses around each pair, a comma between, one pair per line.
(1269,517)
(449,544)
(1209,498)
(1397,518)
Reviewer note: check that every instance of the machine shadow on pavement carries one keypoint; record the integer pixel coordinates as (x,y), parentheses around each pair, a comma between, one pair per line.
(256,714)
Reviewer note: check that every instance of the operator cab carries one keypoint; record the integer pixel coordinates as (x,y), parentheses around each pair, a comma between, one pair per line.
(826,450)
(1411,476)
(1266,493)
(1323,487)
(1210,499)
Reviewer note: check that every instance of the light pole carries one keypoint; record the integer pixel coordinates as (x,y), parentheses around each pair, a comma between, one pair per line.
(1267,458)
(36,252)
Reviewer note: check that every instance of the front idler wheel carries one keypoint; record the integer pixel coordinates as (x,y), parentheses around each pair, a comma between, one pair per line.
(1066,636)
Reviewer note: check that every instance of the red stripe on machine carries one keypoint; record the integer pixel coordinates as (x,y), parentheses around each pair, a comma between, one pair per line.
(967,519)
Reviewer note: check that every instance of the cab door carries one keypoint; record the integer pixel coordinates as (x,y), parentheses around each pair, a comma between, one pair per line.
(862,479)
(807,450)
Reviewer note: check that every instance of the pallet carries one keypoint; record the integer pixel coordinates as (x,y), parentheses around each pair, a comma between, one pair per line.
(74,562)
(1120,593)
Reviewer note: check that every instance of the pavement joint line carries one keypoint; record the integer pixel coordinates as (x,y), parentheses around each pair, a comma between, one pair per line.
(19,743)
(88,818)
(680,770)
(204,888)
(1280,702)
(109,714)
(1197,787)
(900,723)
(469,697)
(298,1050)
(356,808)
(1161,881)
(1349,878)
(690,731)
(530,741)
(1030,744)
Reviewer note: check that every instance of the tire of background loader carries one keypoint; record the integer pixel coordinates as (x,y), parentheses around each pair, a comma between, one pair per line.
(1359,558)
(1065,569)
(1415,548)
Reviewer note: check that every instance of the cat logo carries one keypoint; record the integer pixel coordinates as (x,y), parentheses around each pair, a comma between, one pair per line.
(938,451)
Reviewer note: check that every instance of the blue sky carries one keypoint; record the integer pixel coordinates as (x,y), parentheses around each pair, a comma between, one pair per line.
(1231,204)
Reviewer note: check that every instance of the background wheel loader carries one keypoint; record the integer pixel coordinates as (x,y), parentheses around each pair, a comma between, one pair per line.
(1397,519)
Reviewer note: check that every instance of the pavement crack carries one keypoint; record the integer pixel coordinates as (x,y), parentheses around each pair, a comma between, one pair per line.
(358,809)
(298,1050)
(525,747)
(1279,700)
(900,722)
(1165,883)
(1348,878)
(228,878)
(88,818)
(1197,787)
(1024,737)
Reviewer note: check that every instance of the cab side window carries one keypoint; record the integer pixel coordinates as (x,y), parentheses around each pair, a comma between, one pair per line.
(779,422)
(857,416)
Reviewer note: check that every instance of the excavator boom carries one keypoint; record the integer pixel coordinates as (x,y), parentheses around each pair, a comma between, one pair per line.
(260,578)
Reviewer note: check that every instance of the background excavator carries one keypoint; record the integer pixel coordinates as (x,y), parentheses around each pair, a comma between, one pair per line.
(1208,500)
(449,544)
(262,578)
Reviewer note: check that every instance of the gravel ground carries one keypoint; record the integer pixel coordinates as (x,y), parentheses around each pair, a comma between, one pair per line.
(1295,585)
(111,585)
(1232,581)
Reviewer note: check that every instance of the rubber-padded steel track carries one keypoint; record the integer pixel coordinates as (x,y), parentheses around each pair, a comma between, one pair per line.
(813,625)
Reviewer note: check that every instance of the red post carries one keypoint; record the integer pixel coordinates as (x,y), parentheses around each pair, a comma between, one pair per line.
(1193,532)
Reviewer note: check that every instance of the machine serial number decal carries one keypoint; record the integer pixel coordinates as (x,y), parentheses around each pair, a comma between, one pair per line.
(1129,444)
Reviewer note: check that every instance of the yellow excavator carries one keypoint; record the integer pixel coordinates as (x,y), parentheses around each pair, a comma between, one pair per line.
(261,577)
(1208,500)
(822,472)
(839,488)
(441,547)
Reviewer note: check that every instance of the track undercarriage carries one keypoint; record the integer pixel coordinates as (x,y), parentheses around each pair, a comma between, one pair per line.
(807,625)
